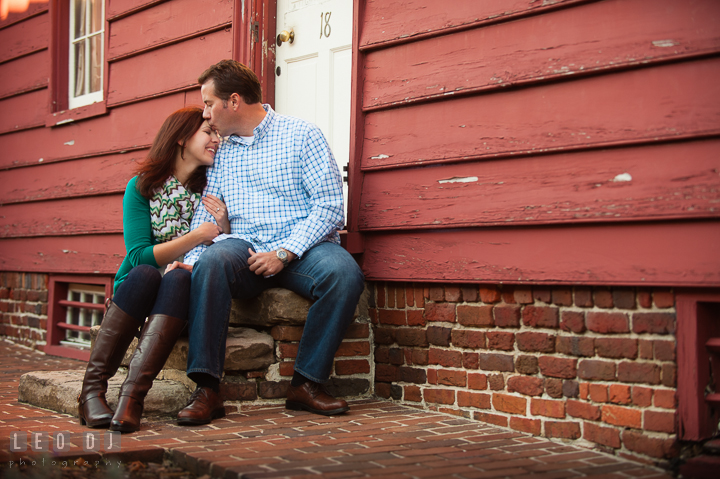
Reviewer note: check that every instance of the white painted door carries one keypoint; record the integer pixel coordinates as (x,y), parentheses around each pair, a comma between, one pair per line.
(312,74)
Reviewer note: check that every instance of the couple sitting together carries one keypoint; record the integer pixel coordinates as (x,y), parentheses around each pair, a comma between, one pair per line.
(271,210)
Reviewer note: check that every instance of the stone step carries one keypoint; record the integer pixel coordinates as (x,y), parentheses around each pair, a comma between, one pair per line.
(58,391)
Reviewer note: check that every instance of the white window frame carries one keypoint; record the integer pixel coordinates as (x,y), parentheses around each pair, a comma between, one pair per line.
(96,96)
(83,316)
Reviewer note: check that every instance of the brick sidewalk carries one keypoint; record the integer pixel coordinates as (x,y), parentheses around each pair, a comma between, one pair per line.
(375,439)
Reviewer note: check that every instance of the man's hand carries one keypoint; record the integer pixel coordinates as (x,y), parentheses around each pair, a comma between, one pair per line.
(178,265)
(266,264)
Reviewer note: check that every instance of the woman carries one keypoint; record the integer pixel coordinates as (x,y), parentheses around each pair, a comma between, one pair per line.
(157,210)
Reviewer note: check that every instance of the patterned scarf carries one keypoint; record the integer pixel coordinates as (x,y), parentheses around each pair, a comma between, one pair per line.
(171,210)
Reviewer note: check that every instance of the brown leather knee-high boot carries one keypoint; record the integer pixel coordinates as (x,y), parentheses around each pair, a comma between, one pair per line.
(116,333)
(155,345)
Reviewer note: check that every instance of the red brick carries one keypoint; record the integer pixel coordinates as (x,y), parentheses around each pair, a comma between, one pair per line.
(373,313)
(649,446)
(540,316)
(527,365)
(452,293)
(641,396)
(440,312)
(645,349)
(465,338)
(636,372)
(644,299)
(575,346)
(507,294)
(496,362)
(489,294)
(412,393)
(287,368)
(439,396)
(523,296)
(476,400)
(286,350)
(624,298)
(416,317)
(619,394)
(598,392)
(665,398)
(565,430)
(584,390)
(436,293)
(506,316)
(382,390)
(509,404)
(606,436)
(391,293)
(412,375)
(602,298)
(411,337)
(471,360)
(583,297)
(419,297)
(530,386)
(381,295)
(547,408)
(654,323)
(409,296)
(530,426)
(477,381)
(535,342)
(238,391)
(542,294)
(583,410)
(387,355)
(353,348)
(558,367)
(622,416)
(572,321)
(452,378)
(496,419)
(669,375)
(664,299)
(286,333)
(387,373)
(448,359)
(358,331)
(419,357)
(659,421)
(432,376)
(562,297)
(553,387)
(477,316)
(352,366)
(602,322)
(664,350)
(616,348)
(438,336)
(395,317)
(470,294)
(501,340)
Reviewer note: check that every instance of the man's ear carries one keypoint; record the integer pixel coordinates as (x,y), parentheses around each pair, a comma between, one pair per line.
(235,101)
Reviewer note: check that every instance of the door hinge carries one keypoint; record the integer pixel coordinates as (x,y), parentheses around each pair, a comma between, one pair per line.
(256,31)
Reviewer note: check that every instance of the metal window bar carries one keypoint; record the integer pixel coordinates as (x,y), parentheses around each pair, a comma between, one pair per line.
(85,305)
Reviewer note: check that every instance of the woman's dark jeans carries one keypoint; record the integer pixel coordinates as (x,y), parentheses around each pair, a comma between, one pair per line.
(146,292)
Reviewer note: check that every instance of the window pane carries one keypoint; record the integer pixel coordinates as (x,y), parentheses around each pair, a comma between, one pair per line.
(79,68)
(79,7)
(96,16)
(96,56)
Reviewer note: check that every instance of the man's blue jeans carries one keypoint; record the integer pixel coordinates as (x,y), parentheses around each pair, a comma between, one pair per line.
(326,274)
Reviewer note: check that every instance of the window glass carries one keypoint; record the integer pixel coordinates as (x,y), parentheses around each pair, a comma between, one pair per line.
(87,26)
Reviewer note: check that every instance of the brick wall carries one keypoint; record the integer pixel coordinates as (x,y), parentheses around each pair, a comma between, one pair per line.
(595,366)
(23,308)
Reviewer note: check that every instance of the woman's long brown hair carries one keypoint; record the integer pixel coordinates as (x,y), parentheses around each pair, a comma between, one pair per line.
(159,164)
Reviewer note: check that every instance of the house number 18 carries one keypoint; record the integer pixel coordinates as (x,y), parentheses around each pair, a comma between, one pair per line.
(325,28)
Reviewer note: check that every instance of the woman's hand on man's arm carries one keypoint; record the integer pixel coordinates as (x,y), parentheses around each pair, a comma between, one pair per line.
(216,207)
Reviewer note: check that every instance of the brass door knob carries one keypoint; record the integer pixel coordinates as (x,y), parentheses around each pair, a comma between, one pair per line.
(285,36)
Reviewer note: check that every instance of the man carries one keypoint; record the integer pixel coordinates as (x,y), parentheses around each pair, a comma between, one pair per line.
(283,192)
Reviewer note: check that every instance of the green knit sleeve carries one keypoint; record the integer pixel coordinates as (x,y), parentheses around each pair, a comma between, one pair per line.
(137,229)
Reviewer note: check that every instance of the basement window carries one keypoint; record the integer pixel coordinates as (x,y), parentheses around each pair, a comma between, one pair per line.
(76,304)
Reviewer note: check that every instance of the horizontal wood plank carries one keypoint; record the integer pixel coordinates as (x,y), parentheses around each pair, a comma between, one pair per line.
(25,37)
(680,180)
(127,127)
(114,8)
(25,74)
(67,179)
(656,254)
(99,254)
(649,104)
(34,8)
(165,22)
(382,23)
(186,61)
(573,41)
(27,110)
(77,216)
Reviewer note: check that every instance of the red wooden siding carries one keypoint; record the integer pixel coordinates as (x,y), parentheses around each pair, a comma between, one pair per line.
(522,142)
(61,187)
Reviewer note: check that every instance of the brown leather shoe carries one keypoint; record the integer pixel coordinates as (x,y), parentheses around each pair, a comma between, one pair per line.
(313,397)
(204,406)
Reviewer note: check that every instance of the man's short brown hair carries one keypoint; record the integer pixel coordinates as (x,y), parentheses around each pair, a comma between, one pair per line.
(229,76)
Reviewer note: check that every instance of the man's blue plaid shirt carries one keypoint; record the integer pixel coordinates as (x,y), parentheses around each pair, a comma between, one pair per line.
(282,188)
